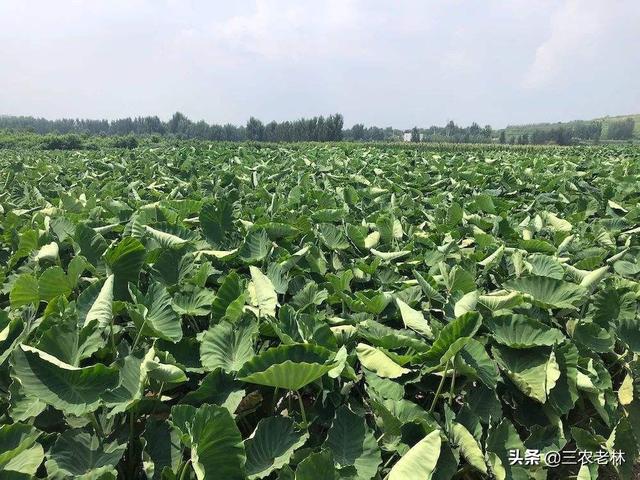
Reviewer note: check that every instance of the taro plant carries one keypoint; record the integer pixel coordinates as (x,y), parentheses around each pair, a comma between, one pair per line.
(310,311)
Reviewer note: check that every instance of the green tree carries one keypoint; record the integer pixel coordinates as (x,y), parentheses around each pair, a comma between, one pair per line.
(621,129)
(177,125)
(415,134)
(357,132)
(255,130)
(336,123)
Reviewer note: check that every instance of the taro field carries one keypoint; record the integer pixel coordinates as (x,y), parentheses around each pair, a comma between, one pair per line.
(319,312)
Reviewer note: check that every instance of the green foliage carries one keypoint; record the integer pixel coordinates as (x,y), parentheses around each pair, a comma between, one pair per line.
(621,129)
(129,142)
(317,311)
(62,142)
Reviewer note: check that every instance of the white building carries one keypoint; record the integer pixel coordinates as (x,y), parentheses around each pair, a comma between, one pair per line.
(406,136)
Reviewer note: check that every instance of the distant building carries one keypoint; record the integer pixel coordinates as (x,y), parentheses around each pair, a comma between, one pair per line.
(406,136)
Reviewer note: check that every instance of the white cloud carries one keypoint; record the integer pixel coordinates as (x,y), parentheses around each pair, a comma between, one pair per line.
(579,30)
(401,63)
(288,29)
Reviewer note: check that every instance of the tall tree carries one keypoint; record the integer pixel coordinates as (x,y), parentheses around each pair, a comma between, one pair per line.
(357,132)
(621,129)
(415,134)
(255,130)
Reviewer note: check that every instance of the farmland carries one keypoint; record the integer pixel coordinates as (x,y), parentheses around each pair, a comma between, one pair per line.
(319,311)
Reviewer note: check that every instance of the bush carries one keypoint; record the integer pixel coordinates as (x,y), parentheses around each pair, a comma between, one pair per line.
(126,142)
(62,142)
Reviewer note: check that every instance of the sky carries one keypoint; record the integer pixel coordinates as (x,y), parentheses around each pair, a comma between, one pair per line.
(378,62)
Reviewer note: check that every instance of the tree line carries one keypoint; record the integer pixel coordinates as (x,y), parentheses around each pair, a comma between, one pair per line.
(319,128)
(569,133)
(179,126)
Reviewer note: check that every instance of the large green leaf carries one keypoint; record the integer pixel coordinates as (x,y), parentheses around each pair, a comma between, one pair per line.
(271,445)
(228,292)
(565,393)
(519,331)
(333,237)
(228,345)
(545,266)
(174,266)
(548,292)
(154,315)
(10,333)
(25,291)
(534,371)
(420,461)
(451,339)
(165,239)
(378,362)
(96,303)
(428,289)
(162,446)
(629,332)
(219,388)
(459,279)
(216,445)
(52,283)
(70,389)
(613,307)
(353,444)
(414,319)
(288,366)
(468,446)
(79,455)
(262,292)
(20,454)
(125,261)
(216,220)
(255,247)
(390,338)
(500,299)
(482,366)
(594,337)
(71,343)
(317,466)
(501,441)
(195,303)
(133,373)
(92,244)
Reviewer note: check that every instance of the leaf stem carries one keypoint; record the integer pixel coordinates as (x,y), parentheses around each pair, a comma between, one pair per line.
(113,341)
(194,323)
(435,398)
(386,464)
(135,342)
(302,412)
(274,400)
(185,468)
(131,450)
(386,477)
(453,381)
(96,425)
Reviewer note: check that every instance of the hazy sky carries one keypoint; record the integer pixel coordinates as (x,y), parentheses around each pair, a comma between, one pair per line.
(379,62)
